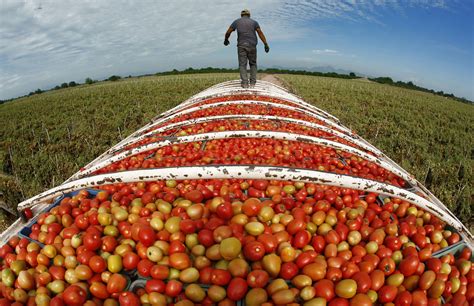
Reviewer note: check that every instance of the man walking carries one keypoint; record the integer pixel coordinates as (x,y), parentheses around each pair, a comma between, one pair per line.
(247,45)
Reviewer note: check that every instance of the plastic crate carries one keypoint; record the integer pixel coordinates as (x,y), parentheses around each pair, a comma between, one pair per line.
(26,230)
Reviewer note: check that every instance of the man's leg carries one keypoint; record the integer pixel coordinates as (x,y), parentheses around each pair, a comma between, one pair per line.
(253,64)
(242,55)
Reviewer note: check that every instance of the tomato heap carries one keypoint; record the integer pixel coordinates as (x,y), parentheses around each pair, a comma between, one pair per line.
(212,242)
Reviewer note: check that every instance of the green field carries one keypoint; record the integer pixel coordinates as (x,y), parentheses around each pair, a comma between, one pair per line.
(46,138)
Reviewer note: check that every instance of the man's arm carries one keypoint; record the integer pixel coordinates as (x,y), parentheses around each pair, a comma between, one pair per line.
(227,35)
(263,39)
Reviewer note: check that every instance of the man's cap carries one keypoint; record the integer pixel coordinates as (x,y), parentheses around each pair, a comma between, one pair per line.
(245,12)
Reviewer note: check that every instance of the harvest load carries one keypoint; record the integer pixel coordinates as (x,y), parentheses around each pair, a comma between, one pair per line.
(227,238)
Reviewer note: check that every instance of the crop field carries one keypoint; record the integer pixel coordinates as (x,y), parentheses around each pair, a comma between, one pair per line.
(419,131)
(46,138)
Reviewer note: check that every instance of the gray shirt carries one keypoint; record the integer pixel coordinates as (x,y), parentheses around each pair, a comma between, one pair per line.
(246,28)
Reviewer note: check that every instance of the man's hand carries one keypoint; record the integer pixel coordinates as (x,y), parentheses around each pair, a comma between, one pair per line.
(226,42)
(267,48)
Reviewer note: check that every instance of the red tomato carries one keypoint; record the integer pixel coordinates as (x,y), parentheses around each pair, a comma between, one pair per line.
(74,296)
(144,267)
(117,283)
(147,236)
(97,264)
(129,299)
(91,241)
(173,288)
(237,289)
(403,299)
(155,285)
(206,238)
(301,239)
(387,294)
(409,265)
(82,222)
(224,210)
(130,260)
(99,290)
(254,250)
(363,280)
(305,258)
(325,289)
(220,277)
(288,270)
(257,278)
(187,226)
(160,272)
(269,242)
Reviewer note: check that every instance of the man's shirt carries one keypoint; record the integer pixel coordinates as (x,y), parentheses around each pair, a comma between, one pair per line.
(246,28)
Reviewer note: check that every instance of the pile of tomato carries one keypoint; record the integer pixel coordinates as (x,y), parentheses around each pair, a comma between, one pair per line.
(239,241)
(254,151)
(211,242)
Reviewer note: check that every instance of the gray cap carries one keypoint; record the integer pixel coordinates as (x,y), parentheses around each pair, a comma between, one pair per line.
(245,12)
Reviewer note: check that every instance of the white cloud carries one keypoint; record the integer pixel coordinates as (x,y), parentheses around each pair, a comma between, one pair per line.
(43,43)
(326,51)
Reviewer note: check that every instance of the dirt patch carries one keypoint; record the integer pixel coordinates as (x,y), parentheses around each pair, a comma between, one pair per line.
(272,79)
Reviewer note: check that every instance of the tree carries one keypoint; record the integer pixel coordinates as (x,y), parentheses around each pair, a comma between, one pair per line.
(89,81)
(38,91)
(57,87)
(72,84)
(114,78)
(64,85)
(352,74)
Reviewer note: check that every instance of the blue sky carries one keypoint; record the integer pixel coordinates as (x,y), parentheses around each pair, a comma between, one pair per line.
(45,43)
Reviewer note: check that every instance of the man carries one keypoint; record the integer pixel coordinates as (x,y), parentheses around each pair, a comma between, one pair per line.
(247,45)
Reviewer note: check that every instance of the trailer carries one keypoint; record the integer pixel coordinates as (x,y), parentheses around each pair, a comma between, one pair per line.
(234,144)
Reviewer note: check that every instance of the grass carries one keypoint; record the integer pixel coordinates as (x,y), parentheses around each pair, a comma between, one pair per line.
(420,131)
(45,138)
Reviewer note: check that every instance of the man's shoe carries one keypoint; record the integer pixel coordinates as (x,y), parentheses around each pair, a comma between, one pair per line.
(252,85)
(244,85)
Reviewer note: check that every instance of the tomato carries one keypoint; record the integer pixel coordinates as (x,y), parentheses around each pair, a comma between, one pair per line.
(180,261)
(82,222)
(224,211)
(404,298)
(91,241)
(301,239)
(97,264)
(409,265)
(378,279)
(363,280)
(159,272)
(257,278)
(155,285)
(254,250)
(387,265)
(99,290)
(361,300)
(144,267)
(74,296)
(173,288)
(206,238)
(269,242)
(325,289)
(387,294)
(237,289)
(305,258)
(187,226)
(117,283)
(130,260)
(129,299)
(147,236)
(288,270)
(220,277)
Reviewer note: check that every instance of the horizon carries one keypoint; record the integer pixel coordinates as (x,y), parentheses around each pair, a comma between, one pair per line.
(44,44)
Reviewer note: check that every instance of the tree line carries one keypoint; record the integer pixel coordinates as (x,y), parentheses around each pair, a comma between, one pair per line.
(190,70)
